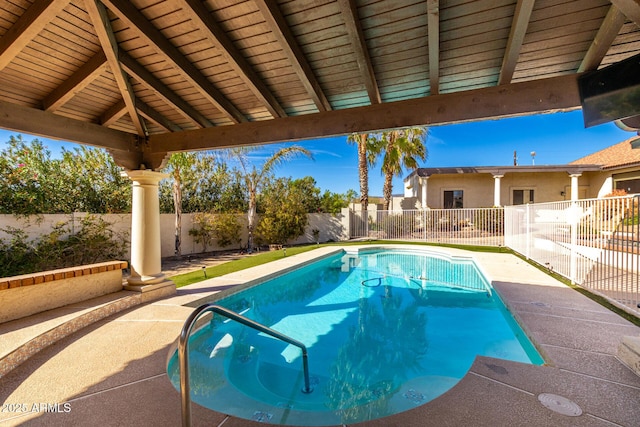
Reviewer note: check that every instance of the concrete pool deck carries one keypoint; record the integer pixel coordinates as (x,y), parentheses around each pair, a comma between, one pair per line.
(112,373)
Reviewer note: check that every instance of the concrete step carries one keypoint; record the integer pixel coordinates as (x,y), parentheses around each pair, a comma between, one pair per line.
(23,338)
(629,353)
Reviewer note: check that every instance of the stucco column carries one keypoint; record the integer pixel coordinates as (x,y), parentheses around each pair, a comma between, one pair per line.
(146,257)
(496,190)
(423,191)
(574,185)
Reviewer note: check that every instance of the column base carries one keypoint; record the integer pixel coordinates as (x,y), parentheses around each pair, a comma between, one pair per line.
(151,292)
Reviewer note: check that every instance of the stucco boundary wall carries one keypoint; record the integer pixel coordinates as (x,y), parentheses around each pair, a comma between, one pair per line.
(28,294)
(332,227)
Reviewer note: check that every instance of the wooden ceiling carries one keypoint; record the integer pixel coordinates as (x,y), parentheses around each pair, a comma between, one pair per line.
(146,77)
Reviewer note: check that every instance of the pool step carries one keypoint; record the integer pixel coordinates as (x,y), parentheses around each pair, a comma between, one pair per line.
(23,338)
(629,353)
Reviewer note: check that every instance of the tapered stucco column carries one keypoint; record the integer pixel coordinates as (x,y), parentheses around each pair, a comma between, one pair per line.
(423,193)
(574,185)
(146,256)
(496,190)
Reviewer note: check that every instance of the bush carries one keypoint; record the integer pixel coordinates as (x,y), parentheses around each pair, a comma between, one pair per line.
(94,241)
(224,228)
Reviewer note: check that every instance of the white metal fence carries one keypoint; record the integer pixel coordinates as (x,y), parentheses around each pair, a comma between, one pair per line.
(592,242)
(482,226)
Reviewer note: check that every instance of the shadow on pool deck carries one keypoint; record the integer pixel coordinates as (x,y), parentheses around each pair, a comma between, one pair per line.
(113,372)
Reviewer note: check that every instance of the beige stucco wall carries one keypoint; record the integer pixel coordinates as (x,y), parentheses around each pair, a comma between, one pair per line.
(27,300)
(333,228)
(479,188)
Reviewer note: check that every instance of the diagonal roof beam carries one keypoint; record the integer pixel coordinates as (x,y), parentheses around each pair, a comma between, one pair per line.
(281,30)
(217,37)
(356,35)
(102,25)
(113,114)
(128,13)
(148,80)
(119,109)
(29,25)
(82,78)
(433,26)
(630,8)
(607,33)
(521,18)
(154,116)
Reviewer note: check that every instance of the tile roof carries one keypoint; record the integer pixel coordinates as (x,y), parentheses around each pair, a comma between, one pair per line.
(615,156)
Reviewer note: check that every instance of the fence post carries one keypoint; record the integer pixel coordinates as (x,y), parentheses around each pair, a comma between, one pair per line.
(424,224)
(573,260)
(527,221)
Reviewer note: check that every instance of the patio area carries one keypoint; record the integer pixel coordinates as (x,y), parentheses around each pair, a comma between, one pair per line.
(112,372)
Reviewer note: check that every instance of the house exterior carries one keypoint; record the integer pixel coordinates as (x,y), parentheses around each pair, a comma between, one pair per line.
(595,175)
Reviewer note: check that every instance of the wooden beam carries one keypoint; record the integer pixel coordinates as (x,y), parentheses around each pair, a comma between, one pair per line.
(102,26)
(29,25)
(82,78)
(127,12)
(607,33)
(148,80)
(521,18)
(280,29)
(433,27)
(114,113)
(356,35)
(537,96)
(630,9)
(48,125)
(218,38)
(152,115)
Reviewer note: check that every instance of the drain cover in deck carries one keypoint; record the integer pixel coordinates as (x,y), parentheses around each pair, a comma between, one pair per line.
(560,404)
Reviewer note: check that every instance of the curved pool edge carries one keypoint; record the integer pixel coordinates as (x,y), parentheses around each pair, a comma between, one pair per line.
(285,265)
(487,389)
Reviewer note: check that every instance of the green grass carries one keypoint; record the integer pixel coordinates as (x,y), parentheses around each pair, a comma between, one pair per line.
(236,265)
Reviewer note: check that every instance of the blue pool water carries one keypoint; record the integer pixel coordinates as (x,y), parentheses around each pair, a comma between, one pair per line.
(386,331)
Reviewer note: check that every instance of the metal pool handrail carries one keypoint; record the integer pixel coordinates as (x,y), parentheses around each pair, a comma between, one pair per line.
(183,355)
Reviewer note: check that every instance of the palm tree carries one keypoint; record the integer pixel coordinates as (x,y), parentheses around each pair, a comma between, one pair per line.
(366,158)
(254,177)
(367,153)
(402,149)
(180,166)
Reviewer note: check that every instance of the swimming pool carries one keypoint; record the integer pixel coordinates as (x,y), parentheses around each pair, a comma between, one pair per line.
(386,331)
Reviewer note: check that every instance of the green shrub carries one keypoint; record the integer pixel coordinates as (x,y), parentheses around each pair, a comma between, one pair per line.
(94,241)
(224,228)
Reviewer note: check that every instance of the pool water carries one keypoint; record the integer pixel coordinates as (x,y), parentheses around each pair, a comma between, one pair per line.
(386,331)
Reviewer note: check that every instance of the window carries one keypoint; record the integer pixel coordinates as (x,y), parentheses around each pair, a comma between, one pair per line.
(631,186)
(453,199)
(521,197)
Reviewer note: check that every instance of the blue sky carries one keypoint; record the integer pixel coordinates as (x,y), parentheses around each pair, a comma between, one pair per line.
(556,139)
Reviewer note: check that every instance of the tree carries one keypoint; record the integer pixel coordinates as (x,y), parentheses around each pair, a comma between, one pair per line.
(84,179)
(402,149)
(27,180)
(283,211)
(366,157)
(254,178)
(334,202)
(94,182)
(181,167)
